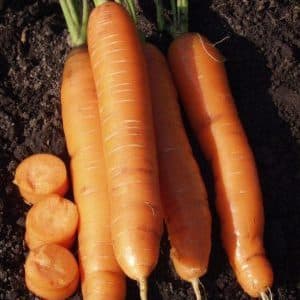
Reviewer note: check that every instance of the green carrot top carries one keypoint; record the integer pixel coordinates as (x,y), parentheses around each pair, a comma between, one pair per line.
(179,20)
(76,22)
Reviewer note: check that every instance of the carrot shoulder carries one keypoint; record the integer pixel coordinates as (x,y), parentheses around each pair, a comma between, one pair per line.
(201,78)
(183,193)
(41,175)
(128,135)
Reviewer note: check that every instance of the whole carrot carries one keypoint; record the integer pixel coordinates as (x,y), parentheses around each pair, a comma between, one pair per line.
(101,276)
(127,129)
(184,196)
(201,78)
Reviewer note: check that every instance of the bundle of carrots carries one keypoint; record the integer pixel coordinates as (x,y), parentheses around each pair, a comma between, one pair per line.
(131,162)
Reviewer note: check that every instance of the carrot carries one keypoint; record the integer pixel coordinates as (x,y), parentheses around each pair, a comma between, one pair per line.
(200,75)
(184,196)
(51,272)
(128,135)
(51,220)
(39,176)
(101,276)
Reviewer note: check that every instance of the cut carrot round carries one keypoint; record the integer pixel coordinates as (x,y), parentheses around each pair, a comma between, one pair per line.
(51,220)
(40,175)
(51,272)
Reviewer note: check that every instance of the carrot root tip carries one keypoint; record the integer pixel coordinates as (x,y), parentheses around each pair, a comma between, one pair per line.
(143,288)
(267,295)
(221,40)
(197,287)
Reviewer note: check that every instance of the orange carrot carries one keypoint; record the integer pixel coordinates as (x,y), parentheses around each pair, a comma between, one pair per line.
(129,146)
(51,220)
(201,78)
(51,272)
(184,196)
(101,276)
(41,175)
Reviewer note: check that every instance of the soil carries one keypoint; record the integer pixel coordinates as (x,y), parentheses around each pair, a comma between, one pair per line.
(261,43)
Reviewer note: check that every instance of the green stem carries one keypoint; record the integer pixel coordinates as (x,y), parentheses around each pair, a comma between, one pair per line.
(180,20)
(183,16)
(77,31)
(174,13)
(159,15)
(132,9)
(71,26)
(84,21)
(99,2)
(73,12)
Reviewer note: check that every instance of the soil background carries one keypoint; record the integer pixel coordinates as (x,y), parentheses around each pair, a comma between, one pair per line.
(261,43)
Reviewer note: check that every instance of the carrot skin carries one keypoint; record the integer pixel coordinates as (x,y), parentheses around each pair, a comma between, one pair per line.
(184,196)
(101,277)
(200,75)
(129,146)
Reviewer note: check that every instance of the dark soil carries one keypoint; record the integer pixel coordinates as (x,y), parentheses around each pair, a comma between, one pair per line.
(262,50)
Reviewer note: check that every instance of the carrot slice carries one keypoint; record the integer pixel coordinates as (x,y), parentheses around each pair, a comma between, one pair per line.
(40,175)
(51,220)
(51,272)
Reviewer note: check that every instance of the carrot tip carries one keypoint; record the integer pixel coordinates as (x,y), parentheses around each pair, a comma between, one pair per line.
(196,284)
(267,295)
(143,288)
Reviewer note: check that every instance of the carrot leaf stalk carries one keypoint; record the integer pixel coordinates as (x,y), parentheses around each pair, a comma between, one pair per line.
(131,7)
(99,2)
(180,22)
(177,24)
(160,20)
(76,25)
(143,288)
(73,12)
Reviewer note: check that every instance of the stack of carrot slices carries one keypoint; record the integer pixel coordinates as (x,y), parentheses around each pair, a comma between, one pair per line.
(132,165)
(51,271)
